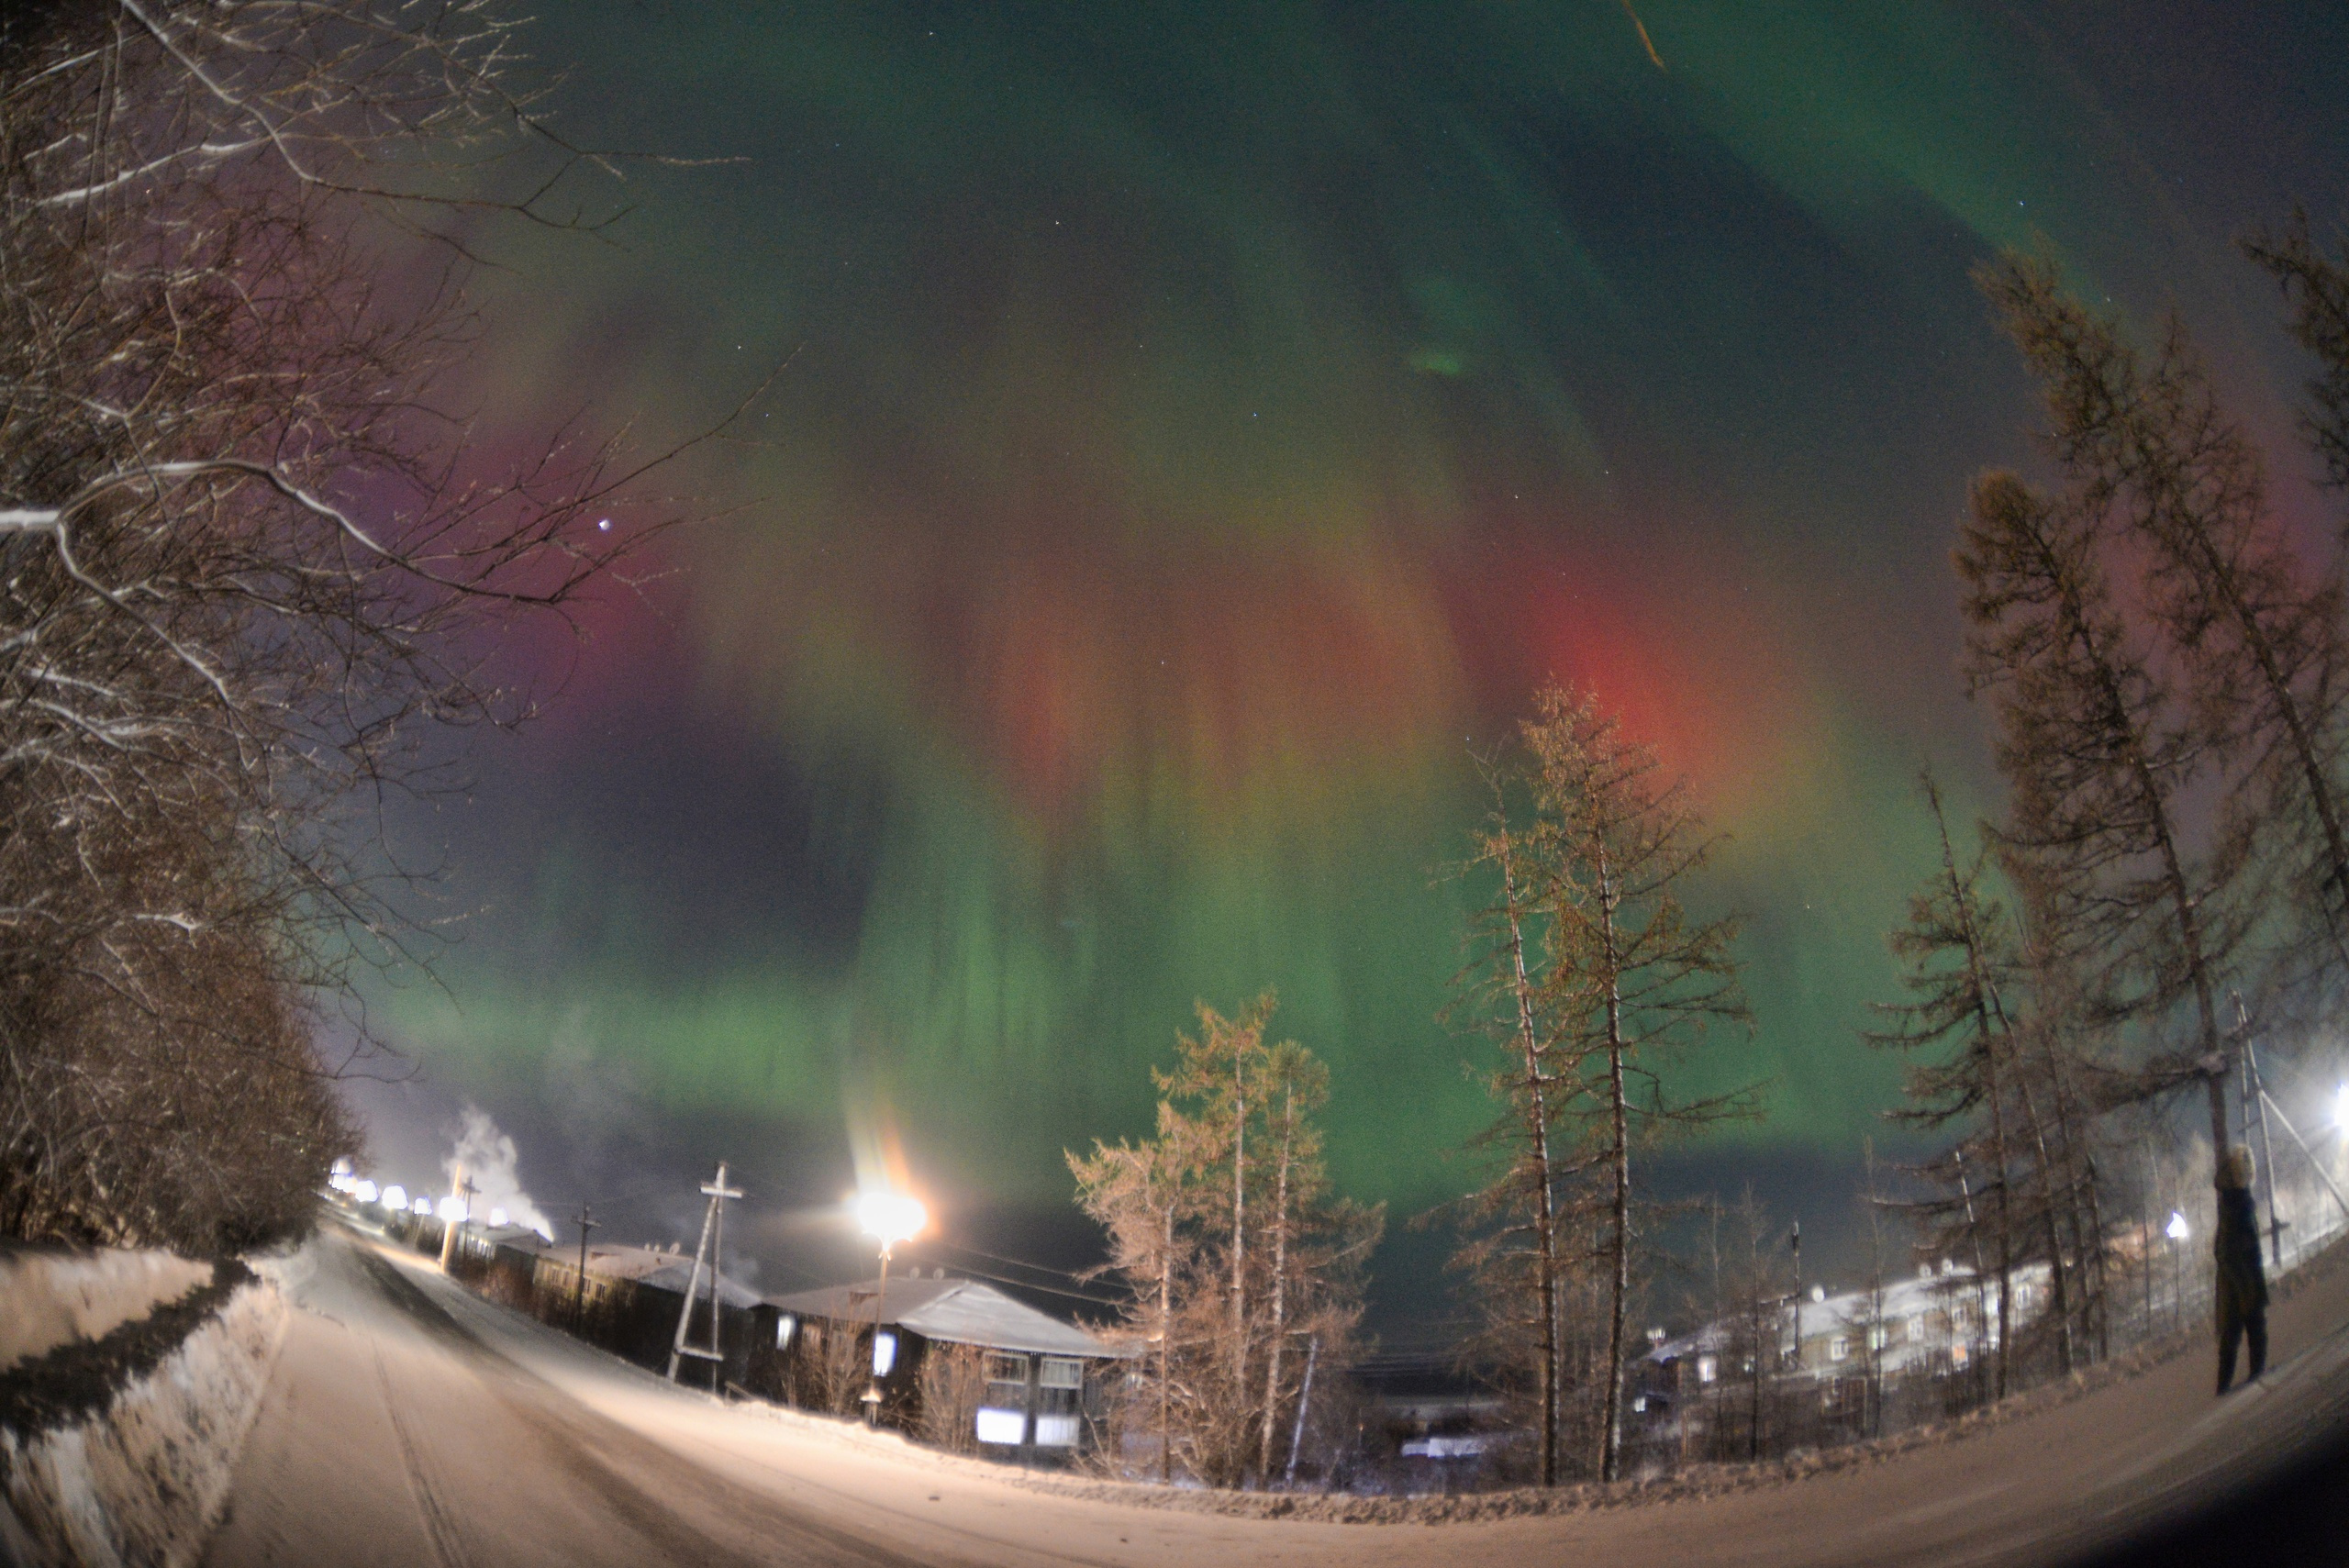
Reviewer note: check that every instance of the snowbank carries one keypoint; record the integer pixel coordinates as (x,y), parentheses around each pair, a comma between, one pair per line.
(52,1297)
(117,1449)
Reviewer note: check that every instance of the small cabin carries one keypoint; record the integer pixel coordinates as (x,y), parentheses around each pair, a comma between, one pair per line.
(627,1302)
(955,1363)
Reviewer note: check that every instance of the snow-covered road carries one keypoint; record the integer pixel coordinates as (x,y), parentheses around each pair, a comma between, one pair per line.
(408,1422)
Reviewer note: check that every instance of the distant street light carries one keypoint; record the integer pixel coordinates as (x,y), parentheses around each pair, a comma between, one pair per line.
(2178,1230)
(395,1196)
(888,1217)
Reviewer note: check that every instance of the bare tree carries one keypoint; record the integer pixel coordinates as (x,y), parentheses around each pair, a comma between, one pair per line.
(2260,647)
(2316,286)
(1632,977)
(242,574)
(1514,1253)
(2098,750)
(953,1385)
(1141,1194)
(1233,1245)
(1958,947)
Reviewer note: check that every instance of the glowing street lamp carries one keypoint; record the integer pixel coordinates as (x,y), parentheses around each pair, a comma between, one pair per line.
(888,1217)
(2341,1106)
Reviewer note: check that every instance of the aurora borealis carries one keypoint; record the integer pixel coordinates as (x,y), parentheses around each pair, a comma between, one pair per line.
(1201,425)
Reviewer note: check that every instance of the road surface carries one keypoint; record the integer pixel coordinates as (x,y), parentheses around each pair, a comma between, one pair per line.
(407,1422)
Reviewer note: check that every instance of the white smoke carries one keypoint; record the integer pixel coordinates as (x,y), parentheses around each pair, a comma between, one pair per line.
(487,1156)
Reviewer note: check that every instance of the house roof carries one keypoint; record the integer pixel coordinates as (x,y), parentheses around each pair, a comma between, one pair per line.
(524,1235)
(653,1266)
(957,1311)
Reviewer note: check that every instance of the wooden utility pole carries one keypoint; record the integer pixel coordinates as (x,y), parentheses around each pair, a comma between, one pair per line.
(579,1298)
(461,1188)
(714,1216)
(2255,1097)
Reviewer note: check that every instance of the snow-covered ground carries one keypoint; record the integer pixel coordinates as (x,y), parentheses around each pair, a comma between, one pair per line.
(409,1422)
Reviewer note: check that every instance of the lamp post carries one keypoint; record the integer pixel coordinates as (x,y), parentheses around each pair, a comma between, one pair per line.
(888,1217)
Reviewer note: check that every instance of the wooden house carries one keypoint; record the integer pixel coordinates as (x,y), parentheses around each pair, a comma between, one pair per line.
(956,1363)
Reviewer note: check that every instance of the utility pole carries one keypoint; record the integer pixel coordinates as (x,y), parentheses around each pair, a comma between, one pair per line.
(714,1216)
(461,1188)
(1795,1241)
(2293,1133)
(2254,1093)
(579,1298)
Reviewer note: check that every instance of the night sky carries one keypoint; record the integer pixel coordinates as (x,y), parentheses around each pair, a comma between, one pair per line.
(1201,425)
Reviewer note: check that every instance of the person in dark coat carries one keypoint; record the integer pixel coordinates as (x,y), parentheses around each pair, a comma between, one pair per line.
(2242,1284)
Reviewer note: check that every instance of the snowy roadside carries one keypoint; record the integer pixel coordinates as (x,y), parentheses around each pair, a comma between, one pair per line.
(1697,1482)
(2155,1421)
(118,1449)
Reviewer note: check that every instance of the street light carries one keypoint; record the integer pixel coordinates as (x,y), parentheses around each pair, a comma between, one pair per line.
(888,1217)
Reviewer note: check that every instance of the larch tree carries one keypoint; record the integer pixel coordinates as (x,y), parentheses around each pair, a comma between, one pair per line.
(1222,1072)
(1957,952)
(1632,980)
(2098,750)
(1514,1251)
(2257,635)
(2067,1086)
(1138,1194)
(2316,287)
(1233,1245)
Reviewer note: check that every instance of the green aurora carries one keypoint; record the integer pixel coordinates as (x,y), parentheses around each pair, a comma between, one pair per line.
(1201,425)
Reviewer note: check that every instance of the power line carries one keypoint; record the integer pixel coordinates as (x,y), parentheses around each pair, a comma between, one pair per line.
(1076,1274)
(1047,1289)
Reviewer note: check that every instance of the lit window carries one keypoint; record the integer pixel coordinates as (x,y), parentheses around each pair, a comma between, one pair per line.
(1917,1329)
(1707,1368)
(884,1353)
(1877,1336)
(1957,1354)
(1839,1348)
(785,1327)
(1056,1431)
(995,1426)
(1060,1372)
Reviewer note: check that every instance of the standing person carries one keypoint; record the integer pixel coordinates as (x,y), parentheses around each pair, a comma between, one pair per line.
(2242,1285)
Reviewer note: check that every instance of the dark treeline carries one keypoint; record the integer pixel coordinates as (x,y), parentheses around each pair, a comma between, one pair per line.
(242,577)
(2168,883)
